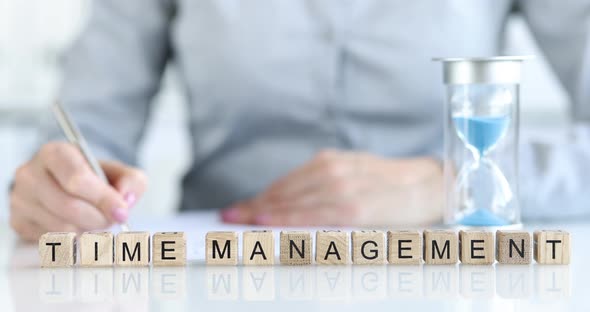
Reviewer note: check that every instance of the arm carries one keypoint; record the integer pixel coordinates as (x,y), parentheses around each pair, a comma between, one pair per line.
(554,174)
(112,72)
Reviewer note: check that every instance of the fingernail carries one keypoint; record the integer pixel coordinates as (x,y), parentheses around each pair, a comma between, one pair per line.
(231,214)
(130,199)
(263,219)
(120,214)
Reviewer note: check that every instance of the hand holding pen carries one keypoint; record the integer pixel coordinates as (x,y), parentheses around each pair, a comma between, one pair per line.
(62,189)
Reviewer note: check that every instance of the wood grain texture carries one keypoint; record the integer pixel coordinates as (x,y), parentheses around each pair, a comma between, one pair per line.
(440,247)
(476,247)
(332,247)
(513,247)
(221,248)
(169,249)
(57,249)
(132,249)
(295,247)
(368,247)
(404,247)
(258,248)
(552,247)
(97,249)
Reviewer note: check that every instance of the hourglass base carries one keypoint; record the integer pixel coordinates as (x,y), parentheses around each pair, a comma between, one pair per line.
(491,228)
(483,217)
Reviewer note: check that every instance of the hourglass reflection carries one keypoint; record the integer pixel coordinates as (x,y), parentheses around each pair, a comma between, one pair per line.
(481,138)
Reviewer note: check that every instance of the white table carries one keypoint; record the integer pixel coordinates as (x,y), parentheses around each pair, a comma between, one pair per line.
(197,287)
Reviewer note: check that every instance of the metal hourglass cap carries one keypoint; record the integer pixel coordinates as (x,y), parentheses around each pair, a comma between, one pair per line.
(497,69)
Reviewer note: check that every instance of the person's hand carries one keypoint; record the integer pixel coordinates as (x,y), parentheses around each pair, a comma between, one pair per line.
(348,188)
(58,191)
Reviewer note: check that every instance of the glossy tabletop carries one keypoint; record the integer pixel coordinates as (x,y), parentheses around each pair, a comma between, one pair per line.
(26,287)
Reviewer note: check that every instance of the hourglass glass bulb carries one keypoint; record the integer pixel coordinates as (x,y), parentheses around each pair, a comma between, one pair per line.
(500,102)
(462,105)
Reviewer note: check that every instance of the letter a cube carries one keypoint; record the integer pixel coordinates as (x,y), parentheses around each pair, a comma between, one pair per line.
(258,248)
(331,247)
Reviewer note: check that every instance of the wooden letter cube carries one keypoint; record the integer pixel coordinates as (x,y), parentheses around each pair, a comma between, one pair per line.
(57,249)
(258,248)
(221,248)
(97,249)
(440,247)
(295,247)
(552,247)
(368,247)
(476,247)
(331,247)
(132,249)
(405,247)
(513,247)
(169,249)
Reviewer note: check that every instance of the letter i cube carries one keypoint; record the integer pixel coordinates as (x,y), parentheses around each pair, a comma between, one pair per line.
(96,249)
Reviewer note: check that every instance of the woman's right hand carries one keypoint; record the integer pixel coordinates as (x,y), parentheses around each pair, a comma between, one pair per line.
(58,191)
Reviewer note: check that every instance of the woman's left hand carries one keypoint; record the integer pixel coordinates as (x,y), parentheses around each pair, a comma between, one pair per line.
(348,189)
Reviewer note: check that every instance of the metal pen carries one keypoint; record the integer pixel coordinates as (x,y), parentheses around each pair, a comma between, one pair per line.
(75,137)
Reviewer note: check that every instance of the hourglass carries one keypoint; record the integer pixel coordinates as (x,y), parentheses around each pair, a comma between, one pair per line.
(481,138)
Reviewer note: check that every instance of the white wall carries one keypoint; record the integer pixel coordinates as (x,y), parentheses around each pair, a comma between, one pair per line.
(33,33)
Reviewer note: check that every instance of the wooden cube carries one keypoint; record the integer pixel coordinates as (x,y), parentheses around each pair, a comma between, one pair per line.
(552,247)
(476,247)
(405,247)
(331,247)
(221,248)
(132,249)
(513,247)
(169,249)
(295,247)
(368,247)
(97,249)
(57,249)
(440,247)
(258,248)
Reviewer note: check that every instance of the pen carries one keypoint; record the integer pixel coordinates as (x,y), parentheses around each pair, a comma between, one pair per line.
(75,137)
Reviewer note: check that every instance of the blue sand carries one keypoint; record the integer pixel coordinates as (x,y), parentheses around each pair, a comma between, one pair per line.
(481,132)
(483,217)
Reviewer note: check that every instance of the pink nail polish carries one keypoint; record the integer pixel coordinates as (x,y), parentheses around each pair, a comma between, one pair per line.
(263,219)
(230,215)
(120,214)
(130,199)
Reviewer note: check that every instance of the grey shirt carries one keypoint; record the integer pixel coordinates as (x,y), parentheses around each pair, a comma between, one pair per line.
(269,83)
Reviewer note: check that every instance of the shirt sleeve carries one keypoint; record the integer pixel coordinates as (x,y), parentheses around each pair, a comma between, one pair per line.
(111,73)
(555,172)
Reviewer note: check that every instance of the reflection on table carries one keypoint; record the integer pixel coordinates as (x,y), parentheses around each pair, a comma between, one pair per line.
(139,286)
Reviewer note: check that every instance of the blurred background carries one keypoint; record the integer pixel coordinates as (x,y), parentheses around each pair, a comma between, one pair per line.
(34,34)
